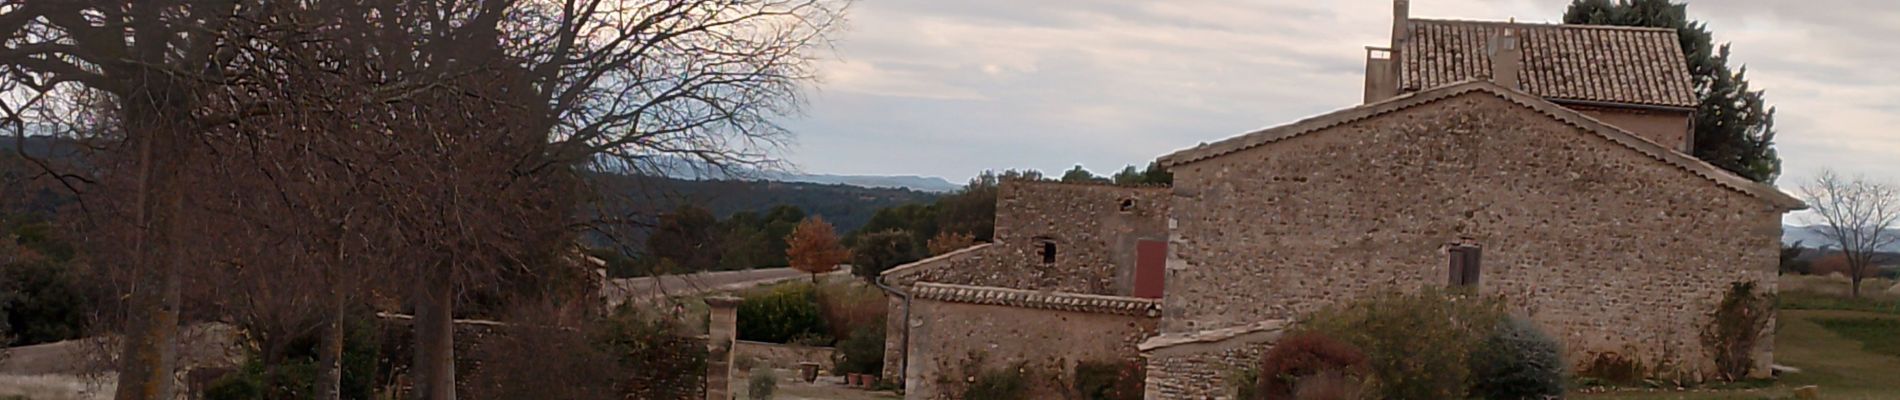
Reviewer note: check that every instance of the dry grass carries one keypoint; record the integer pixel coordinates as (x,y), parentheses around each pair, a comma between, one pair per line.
(1874,288)
(55,387)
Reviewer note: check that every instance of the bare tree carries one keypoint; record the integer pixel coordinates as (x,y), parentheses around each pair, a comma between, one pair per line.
(1857,214)
(626,86)
(150,61)
(475,118)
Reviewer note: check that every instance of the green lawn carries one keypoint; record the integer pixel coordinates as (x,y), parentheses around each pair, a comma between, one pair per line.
(1850,354)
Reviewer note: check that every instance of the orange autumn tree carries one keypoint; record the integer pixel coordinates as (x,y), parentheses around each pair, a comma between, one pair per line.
(813,247)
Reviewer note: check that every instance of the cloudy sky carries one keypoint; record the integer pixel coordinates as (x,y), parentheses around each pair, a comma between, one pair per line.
(950,88)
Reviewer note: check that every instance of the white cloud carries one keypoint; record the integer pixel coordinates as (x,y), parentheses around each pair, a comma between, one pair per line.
(953,87)
(867,78)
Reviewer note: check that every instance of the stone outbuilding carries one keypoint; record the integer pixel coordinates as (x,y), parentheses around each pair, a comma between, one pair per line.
(1073,276)
(1613,243)
(1547,165)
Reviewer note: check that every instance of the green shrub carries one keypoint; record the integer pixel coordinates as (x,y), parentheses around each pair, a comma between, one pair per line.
(1613,369)
(850,305)
(296,374)
(655,353)
(42,297)
(746,363)
(1306,355)
(1002,384)
(1109,380)
(762,383)
(811,339)
(1418,344)
(873,253)
(1736,326)
(780,313)
(863,351)
(1518,362)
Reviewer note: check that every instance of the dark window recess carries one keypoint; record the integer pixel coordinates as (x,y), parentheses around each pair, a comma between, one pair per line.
(1048,252)
(1466,265)
(1128,205)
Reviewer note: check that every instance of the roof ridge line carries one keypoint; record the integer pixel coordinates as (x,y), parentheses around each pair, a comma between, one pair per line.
(1558,25)
(1058,182)
(917,265)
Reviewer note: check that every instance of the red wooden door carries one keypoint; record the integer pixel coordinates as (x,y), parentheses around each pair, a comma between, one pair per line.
(1151,262)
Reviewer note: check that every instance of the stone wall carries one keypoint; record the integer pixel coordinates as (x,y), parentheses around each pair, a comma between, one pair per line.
(786,356)
(972,264)
(682,357)
(1094,229)
(1207,375)
(1668,128)
(1095,247)
(1094,236)
(1208,364)
(959,333)
(1607,248)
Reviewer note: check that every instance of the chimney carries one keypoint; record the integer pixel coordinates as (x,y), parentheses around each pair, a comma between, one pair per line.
(1383,65)
(1401,22)
(1507,59)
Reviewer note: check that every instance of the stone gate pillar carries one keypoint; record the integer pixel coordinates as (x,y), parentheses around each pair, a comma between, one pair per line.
(720,337)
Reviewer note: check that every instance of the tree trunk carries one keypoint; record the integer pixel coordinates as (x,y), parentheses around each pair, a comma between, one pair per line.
(329,382)
(150,353)
(162,140)
(435,334)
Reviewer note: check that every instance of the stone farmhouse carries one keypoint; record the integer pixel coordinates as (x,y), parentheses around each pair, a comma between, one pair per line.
(1544,164)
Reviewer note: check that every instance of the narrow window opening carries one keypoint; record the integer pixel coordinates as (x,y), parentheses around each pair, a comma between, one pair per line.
(1048,251)
(1466,265)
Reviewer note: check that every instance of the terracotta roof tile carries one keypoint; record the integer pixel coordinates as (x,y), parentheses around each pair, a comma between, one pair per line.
(1563,62)
(1076,302)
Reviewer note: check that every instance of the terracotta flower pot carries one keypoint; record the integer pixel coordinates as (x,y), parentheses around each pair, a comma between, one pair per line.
(808,371)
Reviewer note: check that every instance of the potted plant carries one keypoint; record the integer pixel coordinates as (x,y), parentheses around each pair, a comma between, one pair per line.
(809,371)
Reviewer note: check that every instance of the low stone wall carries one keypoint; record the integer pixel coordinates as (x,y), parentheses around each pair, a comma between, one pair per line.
(1202,365)
(786,356)
(1199,375)
(960,332)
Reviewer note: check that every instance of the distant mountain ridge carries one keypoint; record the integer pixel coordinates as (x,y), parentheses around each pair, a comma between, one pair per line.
(846,201)
(695,170)
(929,184)
(1806,235)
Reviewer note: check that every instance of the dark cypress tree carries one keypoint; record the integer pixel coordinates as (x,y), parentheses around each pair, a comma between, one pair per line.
(1735,128)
